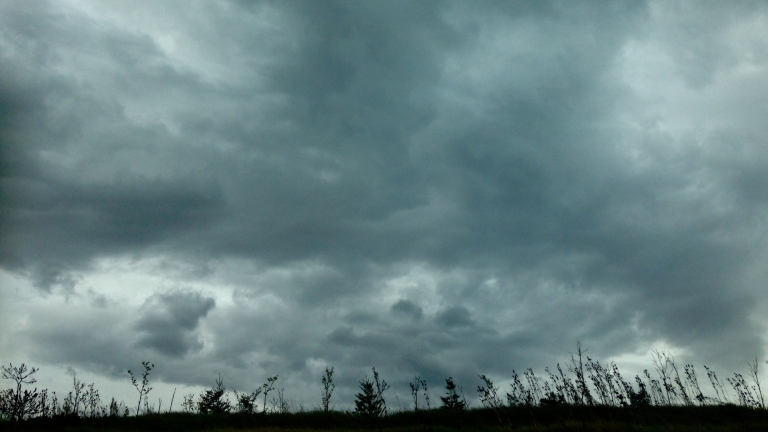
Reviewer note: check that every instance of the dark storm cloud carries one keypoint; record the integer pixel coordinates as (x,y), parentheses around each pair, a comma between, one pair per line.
(407,308)
(78,176)
(457,316)
(168,322)
(466,187)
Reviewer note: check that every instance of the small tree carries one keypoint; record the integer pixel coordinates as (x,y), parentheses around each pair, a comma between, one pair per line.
(369,403)
(366,403)
(144,389)
(451,400)
(328,387)
(17,404)
(212,401)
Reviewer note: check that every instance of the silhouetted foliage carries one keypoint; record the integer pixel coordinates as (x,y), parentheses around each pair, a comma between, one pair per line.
(328,387)
(589,396)
(16,404)
(246,402)
(639,398)
(212,401)
(451,400)
(266,388)
(369,403)
(188,404)
(144,389)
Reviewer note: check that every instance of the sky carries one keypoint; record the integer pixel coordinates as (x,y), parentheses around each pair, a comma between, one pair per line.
(433,188)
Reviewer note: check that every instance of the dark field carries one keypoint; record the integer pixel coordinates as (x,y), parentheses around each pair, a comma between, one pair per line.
(563,418)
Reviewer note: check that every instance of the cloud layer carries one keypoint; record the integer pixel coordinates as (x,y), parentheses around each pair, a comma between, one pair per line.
(434,188)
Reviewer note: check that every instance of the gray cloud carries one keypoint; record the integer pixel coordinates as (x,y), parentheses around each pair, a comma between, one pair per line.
(457,316)
(168,322)
(407,308)
(434,188)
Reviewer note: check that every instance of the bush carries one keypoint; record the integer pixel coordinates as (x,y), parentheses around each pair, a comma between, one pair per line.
(212,401)
(18,405)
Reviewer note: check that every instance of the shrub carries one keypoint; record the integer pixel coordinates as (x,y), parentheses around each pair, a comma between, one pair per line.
(17,405)
(369,403)
(212,401)
(639,398)
(553,399)
(246,403)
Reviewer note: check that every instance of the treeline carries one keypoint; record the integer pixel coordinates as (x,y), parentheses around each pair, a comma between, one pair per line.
(581,383)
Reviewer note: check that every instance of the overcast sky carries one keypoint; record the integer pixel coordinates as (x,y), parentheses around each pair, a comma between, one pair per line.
(259,188)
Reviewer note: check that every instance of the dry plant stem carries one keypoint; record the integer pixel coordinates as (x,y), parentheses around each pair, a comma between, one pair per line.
(74,398)
(718,386)
(577,368)
(172,396)
(756,379)
(693,383)
(145,389)
(663,363)
(426,393)
(381,387)
(281,405)
(489,396)
(266,388)
(683,392)
(415,392)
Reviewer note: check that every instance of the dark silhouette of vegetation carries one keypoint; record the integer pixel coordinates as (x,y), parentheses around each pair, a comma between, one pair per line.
(583,394)
(246,402)
(328,387)
(369,403)
(415,387)
(489,396)
(145,388)
(188,404)
(451,400)
(266,388)
(280,404)
(212,401)
(15,403)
